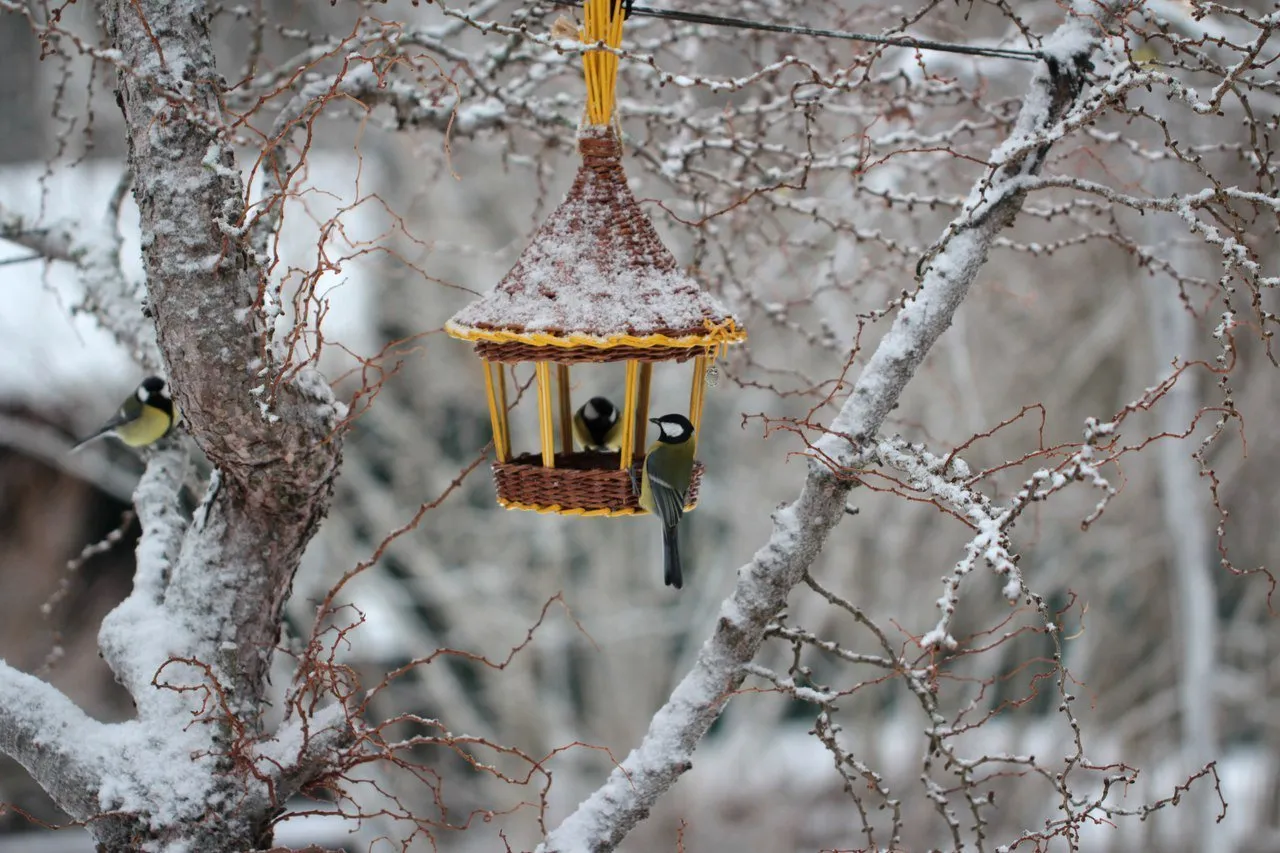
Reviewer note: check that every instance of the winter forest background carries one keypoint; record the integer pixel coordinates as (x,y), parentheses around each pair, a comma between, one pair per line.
(1100,676)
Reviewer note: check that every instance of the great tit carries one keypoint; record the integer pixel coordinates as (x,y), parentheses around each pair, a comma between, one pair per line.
(596,425)
(664,486)
(146,417)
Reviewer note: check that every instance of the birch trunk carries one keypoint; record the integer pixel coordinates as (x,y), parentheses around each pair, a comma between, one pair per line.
(1186,529)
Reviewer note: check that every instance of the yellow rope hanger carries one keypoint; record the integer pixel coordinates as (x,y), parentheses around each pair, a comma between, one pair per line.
(600,24)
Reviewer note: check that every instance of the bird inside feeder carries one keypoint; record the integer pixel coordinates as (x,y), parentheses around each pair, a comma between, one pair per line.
(594,286)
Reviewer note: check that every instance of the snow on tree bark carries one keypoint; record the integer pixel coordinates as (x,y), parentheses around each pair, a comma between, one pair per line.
(194,641)
(204,286)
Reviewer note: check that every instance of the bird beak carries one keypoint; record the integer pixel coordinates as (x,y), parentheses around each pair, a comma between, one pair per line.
(653,420)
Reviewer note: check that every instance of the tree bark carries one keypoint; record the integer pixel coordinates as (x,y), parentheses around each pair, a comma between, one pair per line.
(210,592)
(204,288)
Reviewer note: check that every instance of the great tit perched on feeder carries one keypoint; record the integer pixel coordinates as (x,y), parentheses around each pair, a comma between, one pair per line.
(664,486)
(596,425)
(147,416)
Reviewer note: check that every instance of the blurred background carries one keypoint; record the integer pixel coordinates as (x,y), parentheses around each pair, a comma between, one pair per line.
(804,205)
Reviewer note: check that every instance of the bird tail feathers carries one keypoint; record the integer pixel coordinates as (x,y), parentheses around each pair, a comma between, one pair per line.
(99,434)
(671,557)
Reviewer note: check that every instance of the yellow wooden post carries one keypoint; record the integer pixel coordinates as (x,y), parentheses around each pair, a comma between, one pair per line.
(504,408)
(629,416)
(546,431)
(642,404)
(566,409)
(497,410)
(696,393)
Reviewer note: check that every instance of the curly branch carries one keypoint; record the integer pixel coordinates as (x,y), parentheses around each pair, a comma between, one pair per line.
(800,530)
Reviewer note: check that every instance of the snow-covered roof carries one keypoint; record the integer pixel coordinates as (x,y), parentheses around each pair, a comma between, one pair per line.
(596,274)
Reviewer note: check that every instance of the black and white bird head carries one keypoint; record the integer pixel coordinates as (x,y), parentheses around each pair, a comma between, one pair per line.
(598,410)
(673,429)
(153,390)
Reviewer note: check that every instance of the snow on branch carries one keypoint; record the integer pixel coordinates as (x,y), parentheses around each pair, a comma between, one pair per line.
(138,636)
(108,294)
(942,478)
(1211,199)
(801,529)
(305,748)
(47,734)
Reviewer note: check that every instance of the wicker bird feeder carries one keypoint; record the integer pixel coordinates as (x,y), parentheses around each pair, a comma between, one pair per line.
(595,285)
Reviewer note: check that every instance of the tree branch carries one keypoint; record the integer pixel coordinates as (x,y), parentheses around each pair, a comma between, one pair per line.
(51,445)
(801,529)
(193,642)
(305,748)
(47,734)
(108,294)
(139,636)
(364,86)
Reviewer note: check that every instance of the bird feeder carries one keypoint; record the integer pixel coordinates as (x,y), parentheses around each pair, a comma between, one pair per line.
(595,285)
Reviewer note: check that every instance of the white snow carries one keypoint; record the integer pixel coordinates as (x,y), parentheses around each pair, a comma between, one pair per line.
(43,346)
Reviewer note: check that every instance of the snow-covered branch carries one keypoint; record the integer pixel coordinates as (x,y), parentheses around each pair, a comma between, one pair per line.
(304,749)
(49,445)
(46,733)
(108,294)
(990,544)
(801,529)
(139,635)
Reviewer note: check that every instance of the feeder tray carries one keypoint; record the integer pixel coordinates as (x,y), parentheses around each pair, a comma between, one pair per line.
(578,482)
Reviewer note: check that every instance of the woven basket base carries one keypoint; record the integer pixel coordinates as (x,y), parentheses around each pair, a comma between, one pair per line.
(581,483)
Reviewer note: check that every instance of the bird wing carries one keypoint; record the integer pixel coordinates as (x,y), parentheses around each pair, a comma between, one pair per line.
(668,501)
(130,411)
(118,419)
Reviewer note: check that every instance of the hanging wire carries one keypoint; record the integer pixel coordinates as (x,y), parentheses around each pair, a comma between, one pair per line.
(889,41)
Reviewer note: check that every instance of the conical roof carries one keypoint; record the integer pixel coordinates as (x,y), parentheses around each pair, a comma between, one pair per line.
(596,282)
